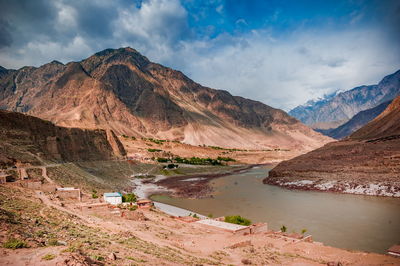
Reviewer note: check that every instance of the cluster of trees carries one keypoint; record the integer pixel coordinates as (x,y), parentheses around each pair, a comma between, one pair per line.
(196,160)
(224,149)
(156,141)
(129,197)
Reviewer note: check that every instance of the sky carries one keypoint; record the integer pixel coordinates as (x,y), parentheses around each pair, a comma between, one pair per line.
(280,52)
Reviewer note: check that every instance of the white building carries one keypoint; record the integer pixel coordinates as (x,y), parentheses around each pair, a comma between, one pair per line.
(114,198)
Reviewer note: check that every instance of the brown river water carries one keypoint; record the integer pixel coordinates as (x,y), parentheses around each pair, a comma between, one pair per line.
(341,220)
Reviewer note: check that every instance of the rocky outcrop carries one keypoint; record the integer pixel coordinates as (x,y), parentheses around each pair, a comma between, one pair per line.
(29,139)
(367,162)
(337,109)
(355,123)
(121,90)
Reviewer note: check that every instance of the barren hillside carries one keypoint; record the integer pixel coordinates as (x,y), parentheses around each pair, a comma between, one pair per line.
(123,91)
(29,139)
(368,162)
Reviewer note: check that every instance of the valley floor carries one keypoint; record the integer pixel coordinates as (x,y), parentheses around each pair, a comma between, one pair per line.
(64,233)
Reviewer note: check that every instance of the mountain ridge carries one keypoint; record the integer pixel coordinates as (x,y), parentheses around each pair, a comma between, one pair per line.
(336,111)
(366,162)
(355,123)
(122,90)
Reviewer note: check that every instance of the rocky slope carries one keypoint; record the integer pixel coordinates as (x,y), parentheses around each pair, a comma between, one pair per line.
(338,109)
(367,162)
(123,91)
(355,123)
(29,139)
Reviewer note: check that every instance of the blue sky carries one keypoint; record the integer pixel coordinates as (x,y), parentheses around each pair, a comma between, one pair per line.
(282,53)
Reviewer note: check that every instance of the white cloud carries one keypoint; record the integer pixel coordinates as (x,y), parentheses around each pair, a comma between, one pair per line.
(287,72)
(280,70)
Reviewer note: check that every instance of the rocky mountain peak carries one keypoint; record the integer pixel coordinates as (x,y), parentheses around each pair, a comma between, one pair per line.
(122,90)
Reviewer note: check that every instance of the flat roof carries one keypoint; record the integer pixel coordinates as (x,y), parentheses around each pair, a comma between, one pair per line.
(394,249)
(112,194)
(223,225)
(67,188)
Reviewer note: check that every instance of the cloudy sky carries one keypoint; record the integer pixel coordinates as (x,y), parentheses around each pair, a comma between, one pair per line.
(282,53)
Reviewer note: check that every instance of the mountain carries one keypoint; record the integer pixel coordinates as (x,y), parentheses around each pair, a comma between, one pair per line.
(367,162)
(31,140)
(386,125)
(355,123)
(122,90)
(334,111)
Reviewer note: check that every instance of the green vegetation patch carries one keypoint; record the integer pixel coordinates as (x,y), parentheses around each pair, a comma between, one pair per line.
(237,219)
(15,244)
(48,257)
(130,197)
(195,160)
(154,150)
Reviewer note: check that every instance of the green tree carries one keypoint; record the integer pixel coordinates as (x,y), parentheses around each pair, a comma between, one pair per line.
(130,197)
(237,219)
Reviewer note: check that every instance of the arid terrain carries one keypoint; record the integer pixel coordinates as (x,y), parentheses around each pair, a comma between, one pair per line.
(367,162)
(143,149)
(55,231)
(121,90)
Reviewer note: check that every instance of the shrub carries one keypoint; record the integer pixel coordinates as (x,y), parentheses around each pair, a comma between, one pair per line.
(210,215)
(237,219)
(303,231)
(130,197)
(15,243)
(98,257)
(48,257)
(94,194)
(226,159)
(162,160)
(153,150)
(52,242)
(132,208)
(283,228)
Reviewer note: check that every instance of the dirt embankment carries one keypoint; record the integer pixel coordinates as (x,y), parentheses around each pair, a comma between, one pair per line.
(358,167)
(29,139)
(367,162)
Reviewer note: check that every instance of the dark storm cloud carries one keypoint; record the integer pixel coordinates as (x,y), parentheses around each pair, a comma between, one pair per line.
(5,35)
(26,19)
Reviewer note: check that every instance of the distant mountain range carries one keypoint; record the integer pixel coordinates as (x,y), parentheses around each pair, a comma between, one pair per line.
(122,90)
(367,162)
(337,109)
(355,123)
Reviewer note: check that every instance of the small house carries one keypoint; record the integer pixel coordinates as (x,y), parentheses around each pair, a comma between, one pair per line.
(144,204)
(113,198)
(394,250)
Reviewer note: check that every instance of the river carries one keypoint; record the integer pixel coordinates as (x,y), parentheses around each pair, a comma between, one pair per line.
(341,220)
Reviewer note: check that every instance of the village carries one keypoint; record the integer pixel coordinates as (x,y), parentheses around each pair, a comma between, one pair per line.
(168,225)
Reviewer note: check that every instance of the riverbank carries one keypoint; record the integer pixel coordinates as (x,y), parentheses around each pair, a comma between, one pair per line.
(348,221)
(185,185)
(381,189)
(196,186)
